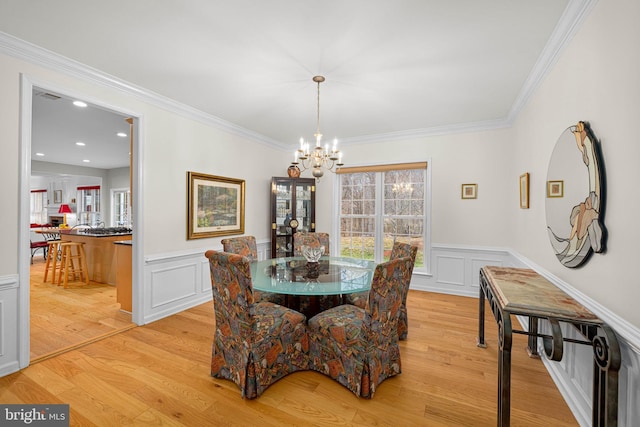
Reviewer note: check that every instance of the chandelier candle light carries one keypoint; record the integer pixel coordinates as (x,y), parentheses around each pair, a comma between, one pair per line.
(320,157)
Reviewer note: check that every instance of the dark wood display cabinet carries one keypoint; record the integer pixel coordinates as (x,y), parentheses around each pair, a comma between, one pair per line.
(293,208)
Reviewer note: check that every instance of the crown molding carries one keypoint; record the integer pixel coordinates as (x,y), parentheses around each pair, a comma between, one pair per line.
(37,55)
(568,24)
(571,20)
(428,132)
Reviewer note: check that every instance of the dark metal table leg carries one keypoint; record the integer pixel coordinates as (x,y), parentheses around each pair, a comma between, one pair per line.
(504,369)
(532,347)
(606,364)
(480,338)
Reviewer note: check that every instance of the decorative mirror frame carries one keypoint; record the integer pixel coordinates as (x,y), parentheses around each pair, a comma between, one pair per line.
(586,218)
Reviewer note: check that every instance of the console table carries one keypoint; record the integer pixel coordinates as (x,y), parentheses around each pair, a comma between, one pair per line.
(518,291)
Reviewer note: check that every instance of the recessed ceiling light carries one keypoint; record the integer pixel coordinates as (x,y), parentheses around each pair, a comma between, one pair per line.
(79,104)
(87,161)
(39,154)
(121,134)
(80,143)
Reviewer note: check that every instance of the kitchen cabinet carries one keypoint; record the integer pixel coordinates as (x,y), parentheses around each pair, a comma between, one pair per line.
(293,204)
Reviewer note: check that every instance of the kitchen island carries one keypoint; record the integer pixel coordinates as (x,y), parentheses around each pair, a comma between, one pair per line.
(123,275)
(99,249)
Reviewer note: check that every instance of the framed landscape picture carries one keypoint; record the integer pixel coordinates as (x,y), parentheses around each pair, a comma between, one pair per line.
(215,206)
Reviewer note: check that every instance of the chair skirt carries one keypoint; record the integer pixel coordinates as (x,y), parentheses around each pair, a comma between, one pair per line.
(339,349)
(278,347)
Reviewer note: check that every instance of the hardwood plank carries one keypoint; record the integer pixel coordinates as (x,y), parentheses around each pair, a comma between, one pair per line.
(62,319)
(159,374)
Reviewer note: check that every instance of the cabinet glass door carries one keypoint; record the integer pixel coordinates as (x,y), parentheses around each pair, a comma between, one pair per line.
(291,199)
(283,205)
(303,206)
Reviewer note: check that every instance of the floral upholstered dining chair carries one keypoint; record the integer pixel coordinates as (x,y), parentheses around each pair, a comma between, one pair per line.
(359,299)
(255,343)
(243,245)
(247,246)
(315,240)
(359,347)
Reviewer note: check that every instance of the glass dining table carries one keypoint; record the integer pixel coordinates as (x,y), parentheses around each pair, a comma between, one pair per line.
(294,277)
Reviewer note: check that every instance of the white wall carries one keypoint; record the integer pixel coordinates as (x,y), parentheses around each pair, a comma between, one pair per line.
(168,145)
(597,79)
(454,160)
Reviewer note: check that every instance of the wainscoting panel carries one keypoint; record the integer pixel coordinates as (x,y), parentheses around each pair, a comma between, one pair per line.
(177,281)
(450,270)
(456,269)
(8,325)
(164,281)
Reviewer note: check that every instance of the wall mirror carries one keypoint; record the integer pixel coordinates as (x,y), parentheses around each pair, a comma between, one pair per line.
(575,197)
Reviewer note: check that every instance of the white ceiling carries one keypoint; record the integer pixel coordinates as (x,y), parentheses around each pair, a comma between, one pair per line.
(392,67)
(57,125)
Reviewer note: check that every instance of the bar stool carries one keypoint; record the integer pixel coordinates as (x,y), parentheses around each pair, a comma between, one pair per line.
(68,262)
(52,261)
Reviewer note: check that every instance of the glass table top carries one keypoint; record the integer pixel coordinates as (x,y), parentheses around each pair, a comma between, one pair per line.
(330,276)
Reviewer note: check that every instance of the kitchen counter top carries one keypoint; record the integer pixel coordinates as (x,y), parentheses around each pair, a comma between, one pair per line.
(97,232)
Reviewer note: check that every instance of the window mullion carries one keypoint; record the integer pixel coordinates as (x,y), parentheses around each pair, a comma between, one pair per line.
(379,220)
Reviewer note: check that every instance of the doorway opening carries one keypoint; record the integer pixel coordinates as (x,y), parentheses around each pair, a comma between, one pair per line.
(66,149)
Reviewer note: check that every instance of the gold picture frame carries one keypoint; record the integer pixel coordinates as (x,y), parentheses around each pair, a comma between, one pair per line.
(469,191)
(215,206)
(524,191)
(555,189)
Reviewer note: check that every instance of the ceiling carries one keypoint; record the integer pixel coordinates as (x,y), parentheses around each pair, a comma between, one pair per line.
(392,67)
(58,126)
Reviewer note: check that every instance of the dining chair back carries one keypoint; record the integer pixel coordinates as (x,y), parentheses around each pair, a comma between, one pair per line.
(255,343)
(243,245)
(360,299)
(247,246)
(313,239)
(401,250)
(359,347)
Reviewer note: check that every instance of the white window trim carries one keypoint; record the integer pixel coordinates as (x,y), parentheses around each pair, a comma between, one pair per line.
(335,219)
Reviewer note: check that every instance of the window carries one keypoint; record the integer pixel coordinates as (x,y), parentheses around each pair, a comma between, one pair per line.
(120,205)
(381,205)
(89,205)
(38,207)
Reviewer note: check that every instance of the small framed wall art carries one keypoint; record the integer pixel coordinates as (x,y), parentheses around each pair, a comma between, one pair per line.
(469,191)
(555,189)
(57,196)
(524,191)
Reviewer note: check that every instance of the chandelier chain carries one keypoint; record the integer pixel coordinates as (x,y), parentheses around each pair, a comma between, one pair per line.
(319,158)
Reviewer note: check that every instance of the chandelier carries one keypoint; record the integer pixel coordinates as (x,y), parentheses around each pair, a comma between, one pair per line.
(403,188)
(320,157)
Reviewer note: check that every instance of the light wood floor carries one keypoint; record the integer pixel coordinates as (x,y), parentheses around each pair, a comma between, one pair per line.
(65,318)
(159,374)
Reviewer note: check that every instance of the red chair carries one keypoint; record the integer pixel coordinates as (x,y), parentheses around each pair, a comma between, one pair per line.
(35,246)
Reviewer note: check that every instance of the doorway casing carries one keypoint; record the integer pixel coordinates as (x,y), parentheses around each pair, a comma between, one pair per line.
(27,85)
